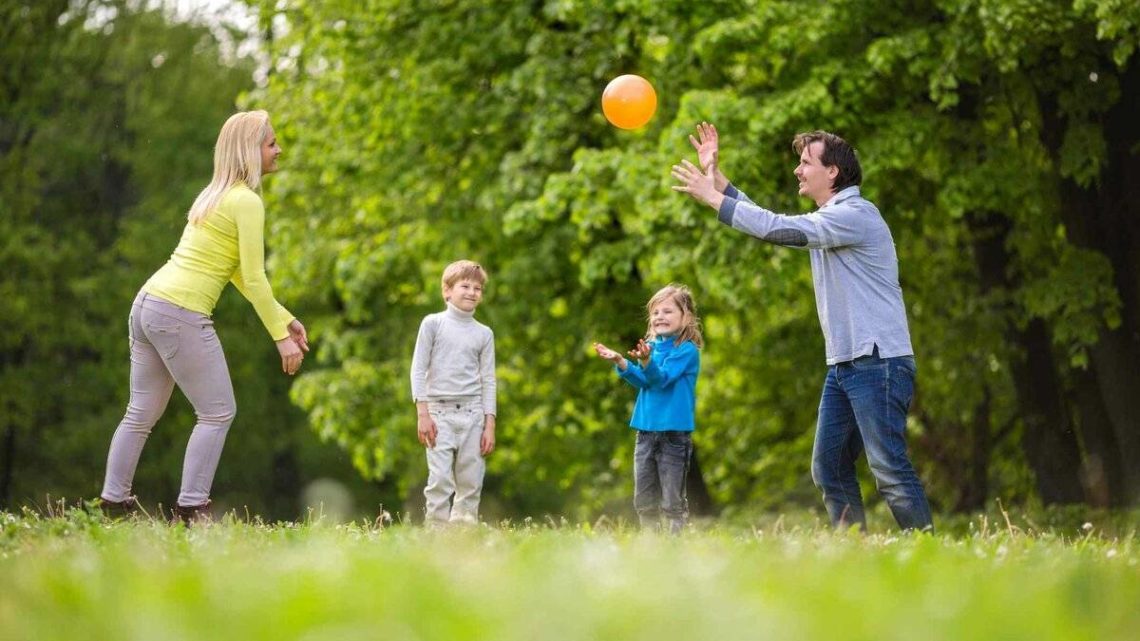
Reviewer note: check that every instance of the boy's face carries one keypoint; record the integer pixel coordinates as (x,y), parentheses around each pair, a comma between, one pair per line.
(465,294)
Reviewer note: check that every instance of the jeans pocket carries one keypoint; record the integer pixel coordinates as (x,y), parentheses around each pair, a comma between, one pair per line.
(907,363)
(901,382)
(677,446)
(209,338)
(165,336)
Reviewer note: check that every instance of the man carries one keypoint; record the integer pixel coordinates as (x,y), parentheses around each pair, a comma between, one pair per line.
(870,376)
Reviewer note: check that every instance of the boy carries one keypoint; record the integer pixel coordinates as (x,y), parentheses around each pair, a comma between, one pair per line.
(453,386)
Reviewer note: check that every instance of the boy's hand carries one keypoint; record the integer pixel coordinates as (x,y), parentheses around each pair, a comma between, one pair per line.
(641,352)
(610,355)
(425,426)
(487,442)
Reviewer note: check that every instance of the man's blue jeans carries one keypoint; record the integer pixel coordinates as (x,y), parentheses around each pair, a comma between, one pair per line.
(863,407)
(660,465)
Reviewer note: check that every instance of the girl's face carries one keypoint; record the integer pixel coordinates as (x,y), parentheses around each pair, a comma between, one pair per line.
(666,318)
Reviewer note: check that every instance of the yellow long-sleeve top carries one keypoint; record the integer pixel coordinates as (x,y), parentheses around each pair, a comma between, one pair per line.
(229,245)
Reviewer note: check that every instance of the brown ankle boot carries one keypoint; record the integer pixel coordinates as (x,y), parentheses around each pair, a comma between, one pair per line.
(191,515)
(119,509)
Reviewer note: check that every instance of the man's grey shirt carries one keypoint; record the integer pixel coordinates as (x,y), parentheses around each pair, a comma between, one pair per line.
(853,265)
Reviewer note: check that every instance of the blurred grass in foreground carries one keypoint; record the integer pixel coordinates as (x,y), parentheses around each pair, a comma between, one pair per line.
(73,576)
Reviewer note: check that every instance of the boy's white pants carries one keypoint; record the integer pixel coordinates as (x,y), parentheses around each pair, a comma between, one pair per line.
(455,465)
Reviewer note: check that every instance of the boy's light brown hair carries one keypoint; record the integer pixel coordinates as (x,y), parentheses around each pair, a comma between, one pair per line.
(463,270)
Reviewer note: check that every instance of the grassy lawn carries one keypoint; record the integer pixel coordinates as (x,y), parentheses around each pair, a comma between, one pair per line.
(74,576)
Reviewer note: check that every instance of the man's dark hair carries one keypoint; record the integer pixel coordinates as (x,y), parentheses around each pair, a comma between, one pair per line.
(836,153)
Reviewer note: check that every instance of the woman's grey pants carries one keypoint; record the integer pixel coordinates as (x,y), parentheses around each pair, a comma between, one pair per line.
(172,345)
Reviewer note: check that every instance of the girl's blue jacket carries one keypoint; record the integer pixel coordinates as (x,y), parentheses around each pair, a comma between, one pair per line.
(667,386)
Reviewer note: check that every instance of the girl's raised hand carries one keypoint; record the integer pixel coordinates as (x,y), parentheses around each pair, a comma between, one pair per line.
(607,353)
(641,352)
(611,356)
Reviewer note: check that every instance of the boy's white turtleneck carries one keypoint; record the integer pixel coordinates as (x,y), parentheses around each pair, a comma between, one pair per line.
(454,358)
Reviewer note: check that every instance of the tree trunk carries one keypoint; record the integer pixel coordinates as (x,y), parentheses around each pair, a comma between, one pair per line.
(700,502)
(989,232)
(1048,439)
(7,463)
(285,483)
(975,489)
(1103,476)
(1105,217)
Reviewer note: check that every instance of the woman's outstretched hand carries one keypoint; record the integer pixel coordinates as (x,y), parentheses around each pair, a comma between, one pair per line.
(291,355)
(299,335)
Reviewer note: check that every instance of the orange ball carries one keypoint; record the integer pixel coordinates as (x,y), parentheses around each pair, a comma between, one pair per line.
(629,101)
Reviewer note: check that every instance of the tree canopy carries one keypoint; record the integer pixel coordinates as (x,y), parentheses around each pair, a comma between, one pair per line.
(998,138)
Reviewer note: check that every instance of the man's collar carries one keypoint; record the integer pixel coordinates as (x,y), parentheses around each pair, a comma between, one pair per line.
(842,195)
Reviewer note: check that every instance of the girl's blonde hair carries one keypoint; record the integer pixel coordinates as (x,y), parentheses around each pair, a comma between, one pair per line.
(237,159)
(683,299)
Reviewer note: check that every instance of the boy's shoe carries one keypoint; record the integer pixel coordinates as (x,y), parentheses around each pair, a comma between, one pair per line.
(119,509)
(191,515)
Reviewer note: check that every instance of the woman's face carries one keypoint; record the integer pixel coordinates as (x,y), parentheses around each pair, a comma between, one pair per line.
(270,150)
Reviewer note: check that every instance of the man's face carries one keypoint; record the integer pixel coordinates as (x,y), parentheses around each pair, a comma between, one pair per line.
(815,179)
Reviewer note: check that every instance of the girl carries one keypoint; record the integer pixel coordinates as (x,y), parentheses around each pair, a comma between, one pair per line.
(172,337)
(664,369)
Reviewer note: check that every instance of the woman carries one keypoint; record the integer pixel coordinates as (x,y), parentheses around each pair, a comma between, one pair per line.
(172,338)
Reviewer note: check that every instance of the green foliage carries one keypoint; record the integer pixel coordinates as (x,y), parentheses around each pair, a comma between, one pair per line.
(416,134)
(108,116)
(460,129)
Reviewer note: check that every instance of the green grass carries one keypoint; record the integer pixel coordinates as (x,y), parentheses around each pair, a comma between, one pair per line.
(74,576)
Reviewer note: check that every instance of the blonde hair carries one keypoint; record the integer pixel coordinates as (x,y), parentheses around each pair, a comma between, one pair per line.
(463,270)
(237,159)
(683,299)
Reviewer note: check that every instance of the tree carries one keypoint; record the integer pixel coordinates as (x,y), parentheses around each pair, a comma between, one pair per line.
(108,115)
(456,129)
